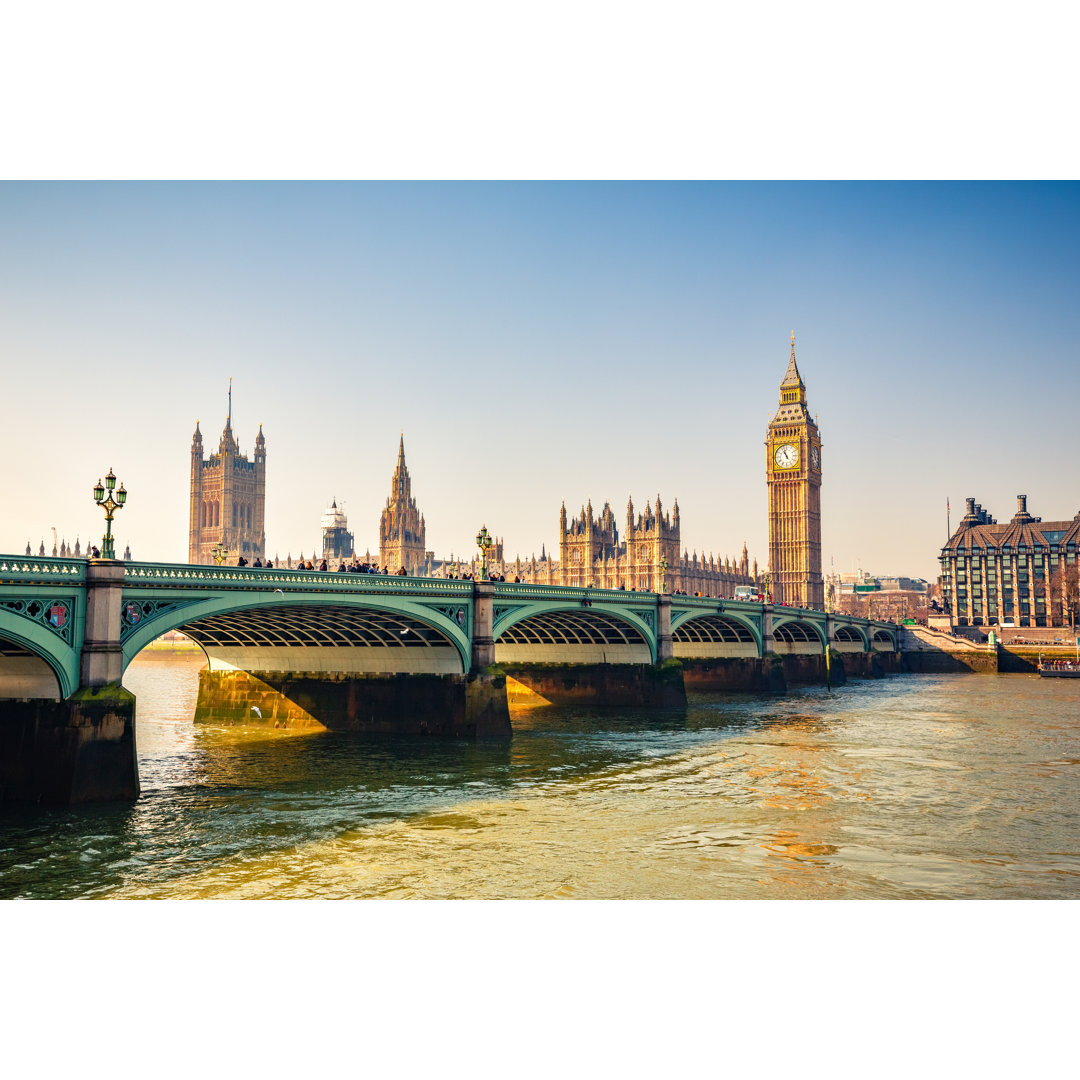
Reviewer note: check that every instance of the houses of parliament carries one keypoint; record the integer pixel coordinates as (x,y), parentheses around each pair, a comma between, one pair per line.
(228,499)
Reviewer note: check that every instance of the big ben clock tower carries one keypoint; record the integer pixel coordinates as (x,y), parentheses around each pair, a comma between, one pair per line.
(793,473)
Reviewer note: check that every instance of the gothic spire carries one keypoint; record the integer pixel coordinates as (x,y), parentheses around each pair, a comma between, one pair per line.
(792,376)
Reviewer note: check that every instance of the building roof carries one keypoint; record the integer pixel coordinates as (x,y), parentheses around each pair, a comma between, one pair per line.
(792,405)
(792,376)
(978,529)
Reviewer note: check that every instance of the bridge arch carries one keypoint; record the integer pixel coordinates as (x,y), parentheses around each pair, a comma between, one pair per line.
(704,635)
(573,633)
(850,638)
(34,662)
(797,635)
(884,639)
(343,633)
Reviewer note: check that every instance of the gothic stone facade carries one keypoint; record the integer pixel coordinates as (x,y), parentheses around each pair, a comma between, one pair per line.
(401,525)
(228,498)
(648,557)
(1023,572)
(793,475)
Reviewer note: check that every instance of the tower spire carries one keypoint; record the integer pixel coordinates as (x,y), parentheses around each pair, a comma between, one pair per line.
(792,376)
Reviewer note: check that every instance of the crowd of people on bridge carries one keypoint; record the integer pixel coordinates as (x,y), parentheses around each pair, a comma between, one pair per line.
(357,567)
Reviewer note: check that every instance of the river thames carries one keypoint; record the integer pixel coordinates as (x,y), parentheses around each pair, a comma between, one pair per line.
(909,787)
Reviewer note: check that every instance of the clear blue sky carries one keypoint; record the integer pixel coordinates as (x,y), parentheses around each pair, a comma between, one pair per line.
(539,342)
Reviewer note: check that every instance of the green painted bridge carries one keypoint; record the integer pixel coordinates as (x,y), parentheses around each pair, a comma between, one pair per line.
(67,624)
(361,652)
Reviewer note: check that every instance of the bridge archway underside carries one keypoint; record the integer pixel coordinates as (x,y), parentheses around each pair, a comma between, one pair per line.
(709,636)
(24,674)
(572,637)
(849,639)
(322,639)
(34,660)
(798,637)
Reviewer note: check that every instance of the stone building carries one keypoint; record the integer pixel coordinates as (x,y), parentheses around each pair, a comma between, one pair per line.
(647,557)
(401,525)
(793,476)
(1022,573)
(228,497)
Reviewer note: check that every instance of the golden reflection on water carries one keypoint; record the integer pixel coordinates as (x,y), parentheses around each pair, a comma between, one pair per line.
(674,827)
(894,789)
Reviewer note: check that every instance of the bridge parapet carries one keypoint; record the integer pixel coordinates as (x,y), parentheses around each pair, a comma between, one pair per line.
(521,591)
(42,571)
(160,575)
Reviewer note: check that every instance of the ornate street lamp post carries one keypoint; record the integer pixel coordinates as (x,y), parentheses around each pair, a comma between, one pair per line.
(663,573)
(110,506)
(483,542)
(220,553)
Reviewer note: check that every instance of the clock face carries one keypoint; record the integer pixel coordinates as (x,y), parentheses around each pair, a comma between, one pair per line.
(814,456)
(786,456)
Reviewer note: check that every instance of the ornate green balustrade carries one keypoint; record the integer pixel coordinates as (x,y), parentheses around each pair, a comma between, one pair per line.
(185,575)
(36,570)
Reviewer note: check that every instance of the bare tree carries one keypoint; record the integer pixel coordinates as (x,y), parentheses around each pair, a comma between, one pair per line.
(1065,590)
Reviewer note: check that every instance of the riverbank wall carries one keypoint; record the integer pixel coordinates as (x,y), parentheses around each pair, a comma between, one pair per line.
(634,685)
(478,706)
(776,673)
(665,685)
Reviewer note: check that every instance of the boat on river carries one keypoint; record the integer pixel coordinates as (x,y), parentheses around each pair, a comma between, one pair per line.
(1059,669)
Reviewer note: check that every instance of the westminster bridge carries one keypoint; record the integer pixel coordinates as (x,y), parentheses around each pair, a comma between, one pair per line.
(366,651)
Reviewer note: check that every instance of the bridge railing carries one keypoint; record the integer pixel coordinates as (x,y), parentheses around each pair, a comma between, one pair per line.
(36,570)
(522,591)
(180,575)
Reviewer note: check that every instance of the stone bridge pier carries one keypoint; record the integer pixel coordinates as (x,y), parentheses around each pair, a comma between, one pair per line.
(82,748)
